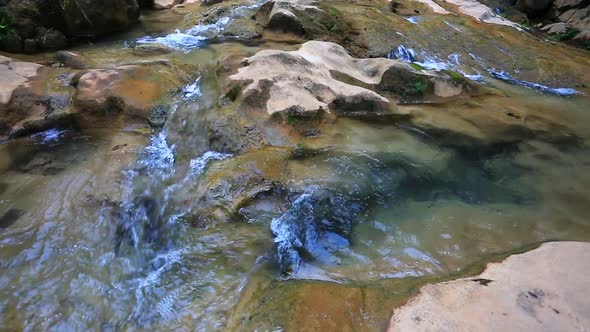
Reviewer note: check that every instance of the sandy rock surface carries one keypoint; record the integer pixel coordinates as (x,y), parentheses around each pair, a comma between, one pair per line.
(545,289)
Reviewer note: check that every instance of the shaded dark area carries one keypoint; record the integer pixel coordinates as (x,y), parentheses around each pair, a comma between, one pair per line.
(37,25)
(10,217)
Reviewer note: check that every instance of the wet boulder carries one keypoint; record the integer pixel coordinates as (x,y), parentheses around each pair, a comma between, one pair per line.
(131,90)
(317,224)
(233,183)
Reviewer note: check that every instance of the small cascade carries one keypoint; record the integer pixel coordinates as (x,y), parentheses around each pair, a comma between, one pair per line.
(196,36)
(148,230)
(504,76)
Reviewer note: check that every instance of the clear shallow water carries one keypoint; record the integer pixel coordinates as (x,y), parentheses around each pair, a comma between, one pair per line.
(376,201)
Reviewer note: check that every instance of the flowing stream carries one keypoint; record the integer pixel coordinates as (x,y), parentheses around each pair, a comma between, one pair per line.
(95,233)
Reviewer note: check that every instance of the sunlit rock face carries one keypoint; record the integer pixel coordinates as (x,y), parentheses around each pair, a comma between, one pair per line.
(509,288)
(323,77)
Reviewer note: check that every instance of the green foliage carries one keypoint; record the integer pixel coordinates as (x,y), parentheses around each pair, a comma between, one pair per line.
(416,66)
(568,34)
(292,119)
(455,76)
(333,21)
(333,12)
(420,87)
(6,27)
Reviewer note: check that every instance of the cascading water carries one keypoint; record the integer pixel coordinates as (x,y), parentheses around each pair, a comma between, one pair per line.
(147,217)
(196,36)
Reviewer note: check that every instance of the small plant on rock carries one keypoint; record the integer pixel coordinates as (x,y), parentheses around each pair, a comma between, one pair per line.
(420,87)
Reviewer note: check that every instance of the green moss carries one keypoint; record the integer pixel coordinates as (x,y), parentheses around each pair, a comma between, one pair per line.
(333,12)
(416,66)
(420,87)
(333,21)
(455,76)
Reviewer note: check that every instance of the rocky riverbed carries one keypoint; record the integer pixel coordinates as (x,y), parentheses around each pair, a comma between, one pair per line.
(292,165)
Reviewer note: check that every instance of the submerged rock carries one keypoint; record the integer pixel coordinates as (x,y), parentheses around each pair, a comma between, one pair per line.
(71,60)
(317,224)
(25,105)
(541,290)
(235,182)
(151,49)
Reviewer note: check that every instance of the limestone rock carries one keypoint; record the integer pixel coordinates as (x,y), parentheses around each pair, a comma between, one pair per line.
(541,290)
(481,12)
(555,28)
(323,77)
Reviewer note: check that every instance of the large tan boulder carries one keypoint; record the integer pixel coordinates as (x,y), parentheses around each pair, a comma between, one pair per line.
(323,77)
(131,89)
(545,289)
